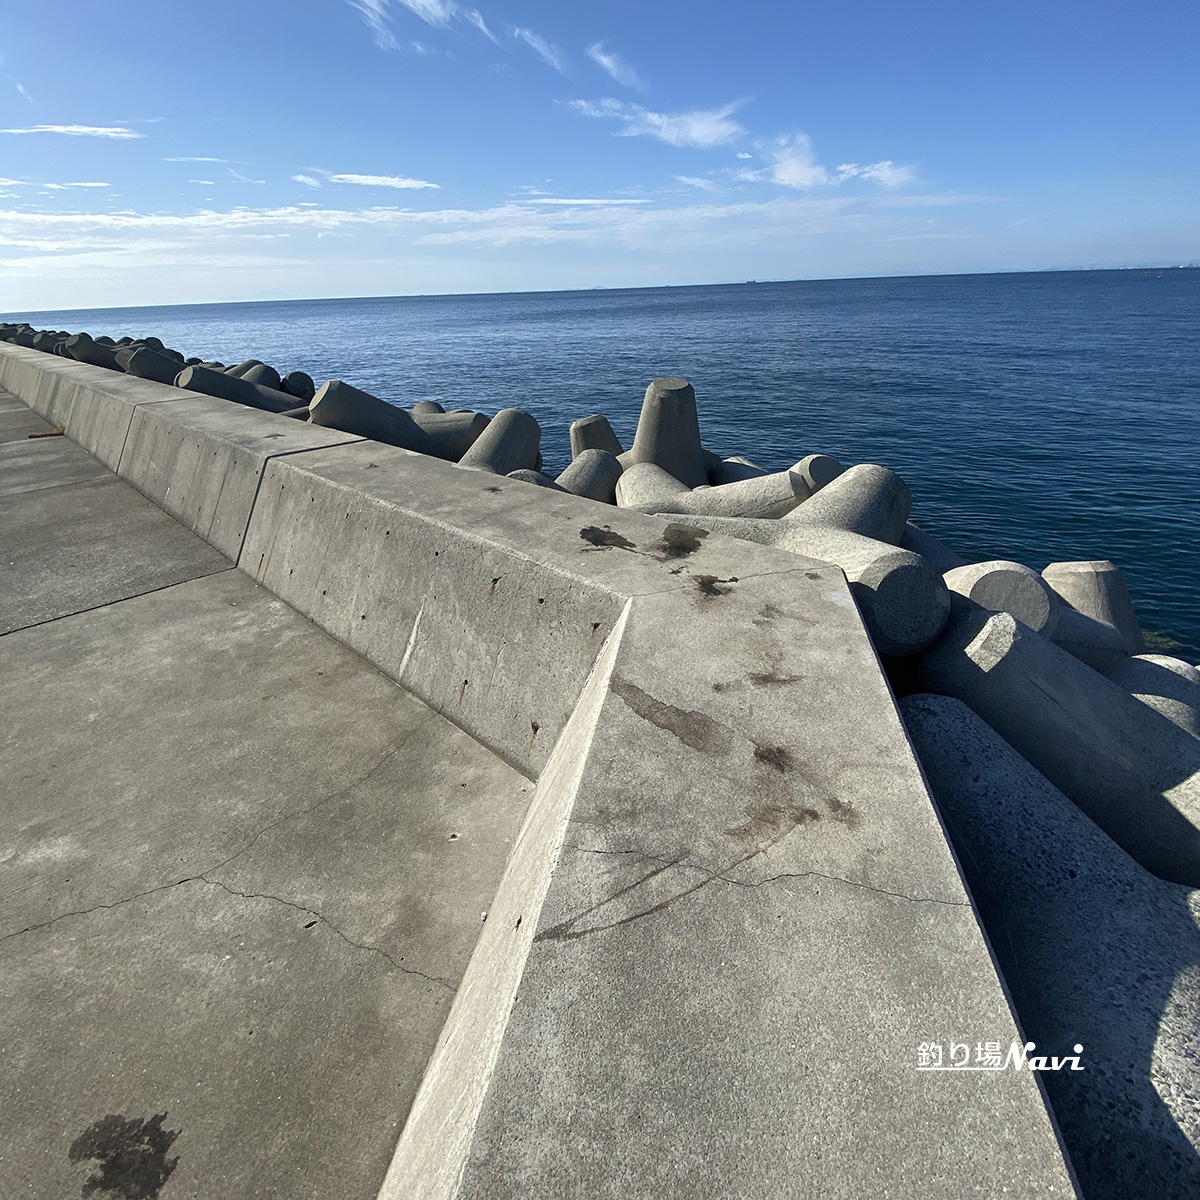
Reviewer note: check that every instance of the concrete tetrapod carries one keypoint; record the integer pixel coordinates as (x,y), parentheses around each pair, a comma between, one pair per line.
(818,470)
(668,432)
(647,483)
(766,497)
(1096,952)
(1168,685)
(1097,589)
(1133,772)
(264,376)
(455,432)
(867,499)
(593,433)
(509,443)
(525,475)
(299,384)
(734,470)
(1004,586)
(1101,645)
(337,405)
(938,555)
(592,474)
(146,363)
(231,387)
(83,349)
(903,601)
(426,406)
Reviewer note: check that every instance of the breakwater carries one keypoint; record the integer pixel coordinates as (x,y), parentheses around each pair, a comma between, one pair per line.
(996,664)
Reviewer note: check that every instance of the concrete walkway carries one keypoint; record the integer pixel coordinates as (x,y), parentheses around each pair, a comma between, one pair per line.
(241,871)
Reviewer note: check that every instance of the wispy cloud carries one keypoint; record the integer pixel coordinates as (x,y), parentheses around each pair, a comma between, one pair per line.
(434,12)
(238,177)
(22,92)
(700,128)
(100,131)
(195,158)
(387,181)
(474,17)
(695,181)
(559,200)
(548,52)
(794,164)
(308,180)
(376,14)
(615,66)
(58,187)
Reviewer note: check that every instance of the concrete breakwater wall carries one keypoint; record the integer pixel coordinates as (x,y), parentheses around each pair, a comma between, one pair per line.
(732,912)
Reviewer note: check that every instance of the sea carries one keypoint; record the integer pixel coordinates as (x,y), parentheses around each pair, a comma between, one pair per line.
(1038,417)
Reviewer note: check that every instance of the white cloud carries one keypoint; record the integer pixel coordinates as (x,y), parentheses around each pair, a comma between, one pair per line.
(238,177)
(206,182)
(705,185)
(557,200)
(474,17)
(388,181)
(374,13)
(794,164)
(101,131)
(58,187)
(700,128)
(196,158)
(885,173)
(22,92)
(433,12)
(307,180)
(615,65)
(551,54)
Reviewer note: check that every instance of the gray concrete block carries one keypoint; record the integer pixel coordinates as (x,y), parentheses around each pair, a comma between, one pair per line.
(201,461)
(1097,589)
(208,382)
(721,968)
(426,406)
(1004,586)
(766,497)
(18,422)
(1096,953)
(867,499)
(734,470)
(536,478)
(453,433)
(593,474)
(668,432)
(936,553)
(643,483)
(1132,771)
(31,465)
(299,384)
(1168,685)
(904,602)
(509,443)
(263,375)
(338,405)
(239,369)
(818,470)
(83,349)
(146,363)
(1100,645)
(593,433)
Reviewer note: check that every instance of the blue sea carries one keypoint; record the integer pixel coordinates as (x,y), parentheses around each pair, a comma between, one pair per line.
(1036,417)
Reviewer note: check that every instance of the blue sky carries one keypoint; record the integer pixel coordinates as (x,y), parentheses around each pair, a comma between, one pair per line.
(155,153)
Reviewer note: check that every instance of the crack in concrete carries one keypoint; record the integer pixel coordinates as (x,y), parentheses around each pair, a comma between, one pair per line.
(567,931)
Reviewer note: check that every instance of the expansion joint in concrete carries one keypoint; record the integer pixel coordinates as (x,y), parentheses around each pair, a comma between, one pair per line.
(114,603)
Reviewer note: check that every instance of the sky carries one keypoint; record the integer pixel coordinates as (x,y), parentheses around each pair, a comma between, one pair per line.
(186,153)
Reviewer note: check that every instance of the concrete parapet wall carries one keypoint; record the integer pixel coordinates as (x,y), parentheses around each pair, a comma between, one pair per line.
(731,916)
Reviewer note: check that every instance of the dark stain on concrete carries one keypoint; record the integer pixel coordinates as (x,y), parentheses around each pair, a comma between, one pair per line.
(772,678)
(693,729)
(678,541)
(813,575)
(769,823)
(132,1153)
(493,489)
(779,757)
(710,586)
(844,813)
(604,539)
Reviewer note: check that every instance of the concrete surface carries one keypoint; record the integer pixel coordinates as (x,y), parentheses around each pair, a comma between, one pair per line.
(243,871)
(201,460)
(1096,951)
(18,422)
(751,918)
